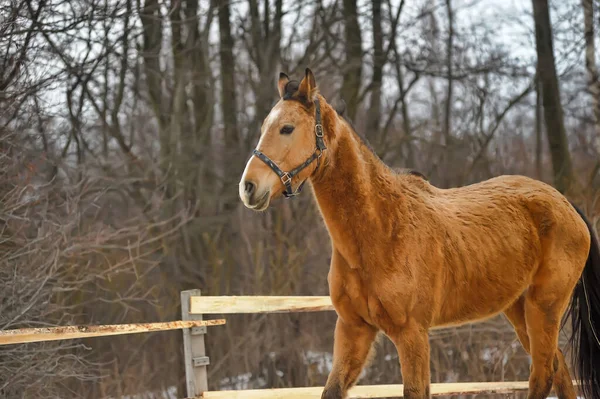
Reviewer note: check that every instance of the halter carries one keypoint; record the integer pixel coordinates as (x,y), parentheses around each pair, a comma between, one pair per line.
(286,177)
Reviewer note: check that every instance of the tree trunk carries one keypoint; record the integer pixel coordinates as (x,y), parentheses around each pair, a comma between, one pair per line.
(152,28)
(353,69)
(374,113)
(200,75)
(553,113)
(151,18)
(449,70)
(590,64)
(228,105)
(266,54)
(406,121)
(447,155)
(227,75)
(539,127)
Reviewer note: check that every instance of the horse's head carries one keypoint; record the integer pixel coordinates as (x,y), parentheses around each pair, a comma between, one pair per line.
(290,146)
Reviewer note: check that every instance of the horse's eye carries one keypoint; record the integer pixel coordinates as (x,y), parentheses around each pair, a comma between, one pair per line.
(287,129)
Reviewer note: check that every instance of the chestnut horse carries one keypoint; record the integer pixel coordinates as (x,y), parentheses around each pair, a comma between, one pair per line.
(409,257)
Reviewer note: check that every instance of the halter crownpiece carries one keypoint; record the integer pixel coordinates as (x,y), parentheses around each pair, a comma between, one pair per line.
(286,177)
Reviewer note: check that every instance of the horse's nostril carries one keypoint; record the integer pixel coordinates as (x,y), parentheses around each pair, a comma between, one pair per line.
(249,187)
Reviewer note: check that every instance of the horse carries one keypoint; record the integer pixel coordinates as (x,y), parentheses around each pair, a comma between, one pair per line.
(408,257)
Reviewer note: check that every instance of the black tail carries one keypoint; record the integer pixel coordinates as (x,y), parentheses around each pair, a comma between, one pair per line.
(585,321)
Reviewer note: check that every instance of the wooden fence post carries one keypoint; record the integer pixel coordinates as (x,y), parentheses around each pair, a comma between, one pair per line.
(196,376)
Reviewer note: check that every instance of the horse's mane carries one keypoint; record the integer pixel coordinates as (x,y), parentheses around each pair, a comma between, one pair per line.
(363,139)
(291,88)
(412,172)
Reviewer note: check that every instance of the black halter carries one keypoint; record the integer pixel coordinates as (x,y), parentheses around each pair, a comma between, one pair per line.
(286,177)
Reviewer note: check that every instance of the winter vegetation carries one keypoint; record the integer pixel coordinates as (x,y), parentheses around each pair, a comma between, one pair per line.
(125,126)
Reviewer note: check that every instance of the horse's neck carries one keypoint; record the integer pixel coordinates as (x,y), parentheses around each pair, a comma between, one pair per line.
(351,188)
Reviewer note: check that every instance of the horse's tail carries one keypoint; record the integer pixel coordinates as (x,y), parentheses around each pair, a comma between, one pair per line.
(585,321)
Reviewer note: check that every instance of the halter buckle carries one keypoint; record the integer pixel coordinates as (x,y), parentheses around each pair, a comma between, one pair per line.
(319,130)
(286,178)
(319,153)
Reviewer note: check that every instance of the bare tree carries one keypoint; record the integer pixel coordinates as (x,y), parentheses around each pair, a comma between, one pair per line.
(592,69)
(374,113)
(447,129)
(264,47)
(539,127)
(352,70)
(564,177)
(227,75)
(123,130)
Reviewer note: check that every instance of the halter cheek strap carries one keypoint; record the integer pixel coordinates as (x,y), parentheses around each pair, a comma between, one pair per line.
(286,177)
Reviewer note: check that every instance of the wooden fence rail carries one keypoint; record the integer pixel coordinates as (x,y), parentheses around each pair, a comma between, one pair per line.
(25,335)
(371,391)
(258,304)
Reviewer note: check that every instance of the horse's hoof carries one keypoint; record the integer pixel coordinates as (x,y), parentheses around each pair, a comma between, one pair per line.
(332,393)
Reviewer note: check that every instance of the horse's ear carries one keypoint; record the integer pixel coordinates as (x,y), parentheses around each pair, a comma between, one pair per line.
(308,87)
(283,80)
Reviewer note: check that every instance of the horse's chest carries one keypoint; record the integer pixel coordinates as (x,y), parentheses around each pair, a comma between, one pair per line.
(361,249)
(357,298)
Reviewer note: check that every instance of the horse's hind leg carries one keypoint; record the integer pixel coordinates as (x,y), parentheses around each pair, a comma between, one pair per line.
(545,304)
(562,383)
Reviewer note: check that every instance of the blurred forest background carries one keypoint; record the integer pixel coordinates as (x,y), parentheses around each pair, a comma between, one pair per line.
(125,126)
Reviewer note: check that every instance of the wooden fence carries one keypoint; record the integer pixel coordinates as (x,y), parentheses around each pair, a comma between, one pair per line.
(194,306)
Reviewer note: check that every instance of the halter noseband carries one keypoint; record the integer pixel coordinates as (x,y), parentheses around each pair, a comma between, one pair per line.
(286,177)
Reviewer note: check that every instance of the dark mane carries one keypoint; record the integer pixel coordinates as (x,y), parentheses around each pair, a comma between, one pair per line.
(291,87)
(412,172)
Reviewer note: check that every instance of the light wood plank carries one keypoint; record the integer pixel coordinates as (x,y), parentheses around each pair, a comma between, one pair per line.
(24,335)
(372,391)
(258,304)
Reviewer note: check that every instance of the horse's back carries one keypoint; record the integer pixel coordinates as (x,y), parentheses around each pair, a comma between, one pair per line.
(495,235)
(512,195)
(515,204)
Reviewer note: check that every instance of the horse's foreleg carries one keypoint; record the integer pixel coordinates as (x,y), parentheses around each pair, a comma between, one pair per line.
(352,344)
(412,343)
